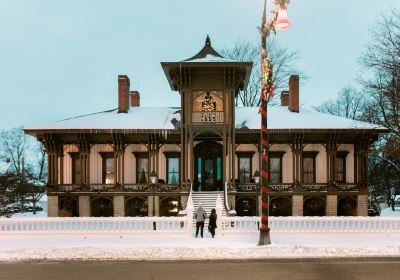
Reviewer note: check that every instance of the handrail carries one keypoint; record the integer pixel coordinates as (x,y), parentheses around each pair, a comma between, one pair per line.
(226,204)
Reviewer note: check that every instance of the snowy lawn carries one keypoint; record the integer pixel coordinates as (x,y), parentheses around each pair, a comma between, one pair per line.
(170,247)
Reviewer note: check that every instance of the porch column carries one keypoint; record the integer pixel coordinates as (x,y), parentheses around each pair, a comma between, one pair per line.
(156,206)
(84,155)
(331,205)
(150,205)
(84,206)
(297,151)
(60,155)
(52,206)
(297,205)
(331,150)
(119,166)
(119,206)
(52,167)
(362,205)
(119,155)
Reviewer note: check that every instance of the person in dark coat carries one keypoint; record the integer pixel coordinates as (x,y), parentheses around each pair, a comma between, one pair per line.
(200,217)
(212,223)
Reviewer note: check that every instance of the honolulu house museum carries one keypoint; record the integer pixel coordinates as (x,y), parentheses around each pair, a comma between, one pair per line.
(146,161)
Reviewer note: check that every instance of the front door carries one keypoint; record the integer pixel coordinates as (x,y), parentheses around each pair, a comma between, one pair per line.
(208,167)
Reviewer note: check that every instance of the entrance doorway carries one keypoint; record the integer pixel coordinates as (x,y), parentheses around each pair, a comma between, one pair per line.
(208,166)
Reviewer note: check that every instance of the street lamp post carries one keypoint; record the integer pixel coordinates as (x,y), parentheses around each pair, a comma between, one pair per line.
(279,21)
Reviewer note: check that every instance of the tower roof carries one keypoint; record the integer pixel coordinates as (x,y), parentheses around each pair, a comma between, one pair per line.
(206,51)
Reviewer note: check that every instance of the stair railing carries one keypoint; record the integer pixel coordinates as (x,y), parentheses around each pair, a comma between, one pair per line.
(226,202)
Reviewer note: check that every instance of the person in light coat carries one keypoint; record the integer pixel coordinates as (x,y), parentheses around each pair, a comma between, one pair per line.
(200,217)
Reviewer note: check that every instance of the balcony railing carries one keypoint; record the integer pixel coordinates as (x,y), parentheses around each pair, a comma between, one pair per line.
(101,188)
(208,117)
(290,187)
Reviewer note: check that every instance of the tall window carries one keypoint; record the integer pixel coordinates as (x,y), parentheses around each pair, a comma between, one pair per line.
(173,168)
(108,168)
(309,168)
(341,167)
(244,167)
(142,168)
(275,167)
(76,169)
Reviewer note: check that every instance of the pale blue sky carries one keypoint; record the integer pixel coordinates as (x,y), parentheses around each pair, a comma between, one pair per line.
(61,58)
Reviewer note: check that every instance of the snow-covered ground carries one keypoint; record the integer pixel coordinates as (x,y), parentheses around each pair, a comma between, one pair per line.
(388,212)
(170,247)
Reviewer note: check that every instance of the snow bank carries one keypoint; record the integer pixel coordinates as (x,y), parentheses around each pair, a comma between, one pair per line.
(242,246)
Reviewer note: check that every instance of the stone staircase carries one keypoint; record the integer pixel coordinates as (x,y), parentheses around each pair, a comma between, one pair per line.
(208,201)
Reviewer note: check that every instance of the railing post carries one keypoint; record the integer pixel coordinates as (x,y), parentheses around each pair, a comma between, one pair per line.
(218,208)
(189,216)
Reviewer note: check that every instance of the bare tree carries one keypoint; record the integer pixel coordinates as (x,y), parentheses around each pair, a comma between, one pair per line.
(28,165)
(283,66)
(13,147)
(350,103)
(379,102)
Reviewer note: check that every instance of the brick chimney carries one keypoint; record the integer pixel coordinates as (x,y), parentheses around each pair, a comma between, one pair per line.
(135,98)
(123,94)
(285,98)
(294,93)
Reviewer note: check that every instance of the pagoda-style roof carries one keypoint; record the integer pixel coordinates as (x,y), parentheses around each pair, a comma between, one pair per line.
(208,54)
(207,57)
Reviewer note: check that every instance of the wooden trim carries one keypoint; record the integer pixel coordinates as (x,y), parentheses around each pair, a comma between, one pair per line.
(342,154)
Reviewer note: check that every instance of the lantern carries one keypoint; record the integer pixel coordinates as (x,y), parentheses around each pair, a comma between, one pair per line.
(282,21)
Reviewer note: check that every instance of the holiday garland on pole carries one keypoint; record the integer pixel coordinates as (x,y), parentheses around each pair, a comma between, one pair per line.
(267,91)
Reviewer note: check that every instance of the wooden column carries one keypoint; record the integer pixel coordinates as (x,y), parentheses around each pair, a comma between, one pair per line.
(331,151)
(84,155)
(119,158)
(51,146)
(297,151)
(60,155)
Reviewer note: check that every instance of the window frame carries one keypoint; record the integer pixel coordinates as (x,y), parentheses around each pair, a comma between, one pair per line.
(141,155)
(276,154)
(169,155)
(104,157)
(341,155)
(75,156)
(313,156)
(245,155)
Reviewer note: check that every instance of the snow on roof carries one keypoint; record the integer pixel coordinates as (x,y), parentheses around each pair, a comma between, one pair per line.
(211,58)
(280,117)
(137,118)
(168,118)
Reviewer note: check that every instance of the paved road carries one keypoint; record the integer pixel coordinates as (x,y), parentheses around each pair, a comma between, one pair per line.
(204,270)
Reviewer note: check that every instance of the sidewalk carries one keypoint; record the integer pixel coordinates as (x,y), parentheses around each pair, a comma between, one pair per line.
(241,246)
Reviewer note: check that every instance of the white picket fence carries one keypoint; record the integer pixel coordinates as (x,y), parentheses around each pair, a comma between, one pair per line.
(184,225)
(314,224)
(91,225)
